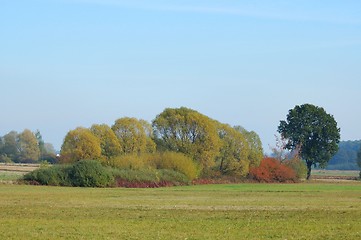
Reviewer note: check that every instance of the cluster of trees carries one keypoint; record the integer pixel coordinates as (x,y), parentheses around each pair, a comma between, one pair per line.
(25,147)
(213,146)
(190,143)
(346,157)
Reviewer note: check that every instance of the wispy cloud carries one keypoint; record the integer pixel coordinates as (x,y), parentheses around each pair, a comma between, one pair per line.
(301,11)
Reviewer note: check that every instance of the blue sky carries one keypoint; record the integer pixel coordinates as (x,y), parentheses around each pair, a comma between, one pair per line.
(65,63)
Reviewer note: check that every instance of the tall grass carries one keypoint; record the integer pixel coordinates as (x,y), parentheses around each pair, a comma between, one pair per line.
(167,160)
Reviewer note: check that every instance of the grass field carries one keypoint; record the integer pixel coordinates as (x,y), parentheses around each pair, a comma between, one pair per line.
(12,172)
(243,211)
(10,176)
(336,173)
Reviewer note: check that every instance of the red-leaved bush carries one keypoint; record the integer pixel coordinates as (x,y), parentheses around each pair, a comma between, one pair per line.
(272,170)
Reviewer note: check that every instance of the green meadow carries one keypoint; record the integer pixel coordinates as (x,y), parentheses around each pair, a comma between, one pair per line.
(242,211)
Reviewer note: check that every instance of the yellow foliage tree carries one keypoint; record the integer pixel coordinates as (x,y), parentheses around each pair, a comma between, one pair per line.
(80,144)
(133,135)
(234,152)
(109,143)
(28,147)
(187,131)
(255,146)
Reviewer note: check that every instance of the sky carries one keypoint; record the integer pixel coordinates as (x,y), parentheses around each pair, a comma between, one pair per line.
(71,63)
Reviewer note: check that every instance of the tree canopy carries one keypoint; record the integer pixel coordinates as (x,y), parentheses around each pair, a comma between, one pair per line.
(233,158)
(213,147)
(133,135)
(346,156)
(24,147)
(187,131)
(80,144)
(255,145)
(313,131)
(29,150)
(9,148)
(109,143)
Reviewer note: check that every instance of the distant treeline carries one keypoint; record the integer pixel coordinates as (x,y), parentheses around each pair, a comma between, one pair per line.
(346,157)
(25,147)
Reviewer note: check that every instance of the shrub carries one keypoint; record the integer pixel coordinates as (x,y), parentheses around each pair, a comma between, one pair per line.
(56,175)
(298,166)
(131,161)
(175,177)
(148,178)
(85,173)
(167,160)
(178,162)
(272,170)
(5,159)
(139,175)
(90,173)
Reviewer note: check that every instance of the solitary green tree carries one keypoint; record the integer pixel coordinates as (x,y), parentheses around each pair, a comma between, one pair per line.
(314,132)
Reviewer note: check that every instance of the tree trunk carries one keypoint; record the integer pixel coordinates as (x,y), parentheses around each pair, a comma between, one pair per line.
(221,166)
(309,167)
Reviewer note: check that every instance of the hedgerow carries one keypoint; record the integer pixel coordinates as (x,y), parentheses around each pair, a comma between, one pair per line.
(85,173)
(57,175)
(90,173)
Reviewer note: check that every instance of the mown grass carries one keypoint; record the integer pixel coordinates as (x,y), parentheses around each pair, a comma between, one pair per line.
(336,173)
(243,211)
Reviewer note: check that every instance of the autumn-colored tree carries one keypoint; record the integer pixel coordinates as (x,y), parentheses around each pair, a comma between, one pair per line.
(41,143)
(150,145)
(80,144)
(255,155)
(233,158)
(132,135)
(28,147)
(109,143)
(187,131)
